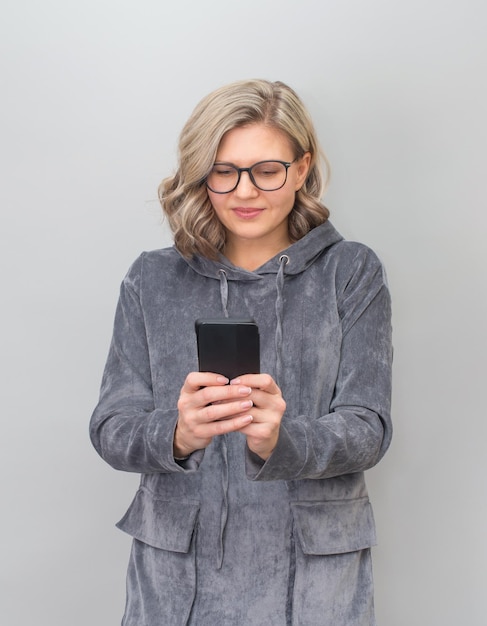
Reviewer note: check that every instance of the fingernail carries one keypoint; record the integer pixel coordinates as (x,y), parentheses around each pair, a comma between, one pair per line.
(235,381)
(246,404)
(222,379)
(245,390)
(247,419)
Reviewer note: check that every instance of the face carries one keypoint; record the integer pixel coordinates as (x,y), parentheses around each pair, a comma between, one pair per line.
(248,214)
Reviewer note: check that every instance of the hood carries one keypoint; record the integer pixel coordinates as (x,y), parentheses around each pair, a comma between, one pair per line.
(299,256)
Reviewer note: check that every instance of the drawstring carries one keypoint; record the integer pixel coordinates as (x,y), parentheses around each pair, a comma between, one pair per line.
(222,440)
(224,508)
(283,261)
(224,291)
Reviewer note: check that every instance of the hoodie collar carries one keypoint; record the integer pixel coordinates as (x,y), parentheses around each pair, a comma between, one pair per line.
(300,255)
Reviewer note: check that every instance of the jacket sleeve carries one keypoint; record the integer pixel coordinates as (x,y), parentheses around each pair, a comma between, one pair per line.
(356,432)
(126,429)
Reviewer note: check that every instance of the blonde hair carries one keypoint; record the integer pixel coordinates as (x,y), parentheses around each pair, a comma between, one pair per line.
(184,197)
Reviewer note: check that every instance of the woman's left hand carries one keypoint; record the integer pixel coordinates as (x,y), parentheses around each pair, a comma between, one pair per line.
(267,411)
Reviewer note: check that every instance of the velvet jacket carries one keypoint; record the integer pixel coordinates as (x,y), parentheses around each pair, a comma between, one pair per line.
(224,537)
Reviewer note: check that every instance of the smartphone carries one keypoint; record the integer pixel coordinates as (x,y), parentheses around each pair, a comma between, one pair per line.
(228,346)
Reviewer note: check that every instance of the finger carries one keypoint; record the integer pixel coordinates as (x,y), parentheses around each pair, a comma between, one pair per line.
(206,431)
(268,401)
(229,425)
(258,381)
(222,394)
(225,411)
(213,403)
(266,417)
(195,380)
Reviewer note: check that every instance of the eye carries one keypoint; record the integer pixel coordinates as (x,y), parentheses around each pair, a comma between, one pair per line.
(268,169)
(223,171)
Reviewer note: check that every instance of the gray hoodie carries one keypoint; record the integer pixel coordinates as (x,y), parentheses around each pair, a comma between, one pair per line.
(224,537)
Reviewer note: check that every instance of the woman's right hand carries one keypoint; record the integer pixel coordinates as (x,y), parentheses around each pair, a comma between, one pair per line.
(209,406)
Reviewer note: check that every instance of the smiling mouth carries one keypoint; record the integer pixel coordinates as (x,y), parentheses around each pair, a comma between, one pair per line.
(246,212)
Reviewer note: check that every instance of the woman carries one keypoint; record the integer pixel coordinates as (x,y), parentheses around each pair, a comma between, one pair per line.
(252,507)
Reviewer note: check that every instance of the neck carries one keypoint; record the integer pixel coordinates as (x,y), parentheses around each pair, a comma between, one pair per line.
(251,254)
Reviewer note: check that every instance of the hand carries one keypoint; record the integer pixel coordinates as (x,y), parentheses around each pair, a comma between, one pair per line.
(209,406)
(267,412)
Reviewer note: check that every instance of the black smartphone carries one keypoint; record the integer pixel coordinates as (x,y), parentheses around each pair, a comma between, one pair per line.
(228,346)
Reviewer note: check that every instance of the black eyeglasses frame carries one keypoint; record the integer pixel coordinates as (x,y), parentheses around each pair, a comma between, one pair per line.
(239,170)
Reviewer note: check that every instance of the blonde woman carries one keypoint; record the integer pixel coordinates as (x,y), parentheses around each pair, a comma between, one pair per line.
(252,507)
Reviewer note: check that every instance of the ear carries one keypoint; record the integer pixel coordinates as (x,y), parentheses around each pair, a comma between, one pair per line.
(302,170)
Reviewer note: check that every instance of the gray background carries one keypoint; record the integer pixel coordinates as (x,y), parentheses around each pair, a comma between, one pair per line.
(93,96)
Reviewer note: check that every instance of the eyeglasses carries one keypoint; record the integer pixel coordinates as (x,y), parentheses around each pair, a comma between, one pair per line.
(265,175)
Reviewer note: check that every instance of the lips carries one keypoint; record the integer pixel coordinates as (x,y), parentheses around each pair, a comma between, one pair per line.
(246,213)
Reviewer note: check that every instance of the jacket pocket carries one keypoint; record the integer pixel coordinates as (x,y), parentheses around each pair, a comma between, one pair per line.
(160,523)
(334,527)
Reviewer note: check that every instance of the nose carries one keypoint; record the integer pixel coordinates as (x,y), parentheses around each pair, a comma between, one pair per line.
(246,187)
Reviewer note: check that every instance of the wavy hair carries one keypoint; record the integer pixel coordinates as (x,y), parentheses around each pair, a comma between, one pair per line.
(184,198)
